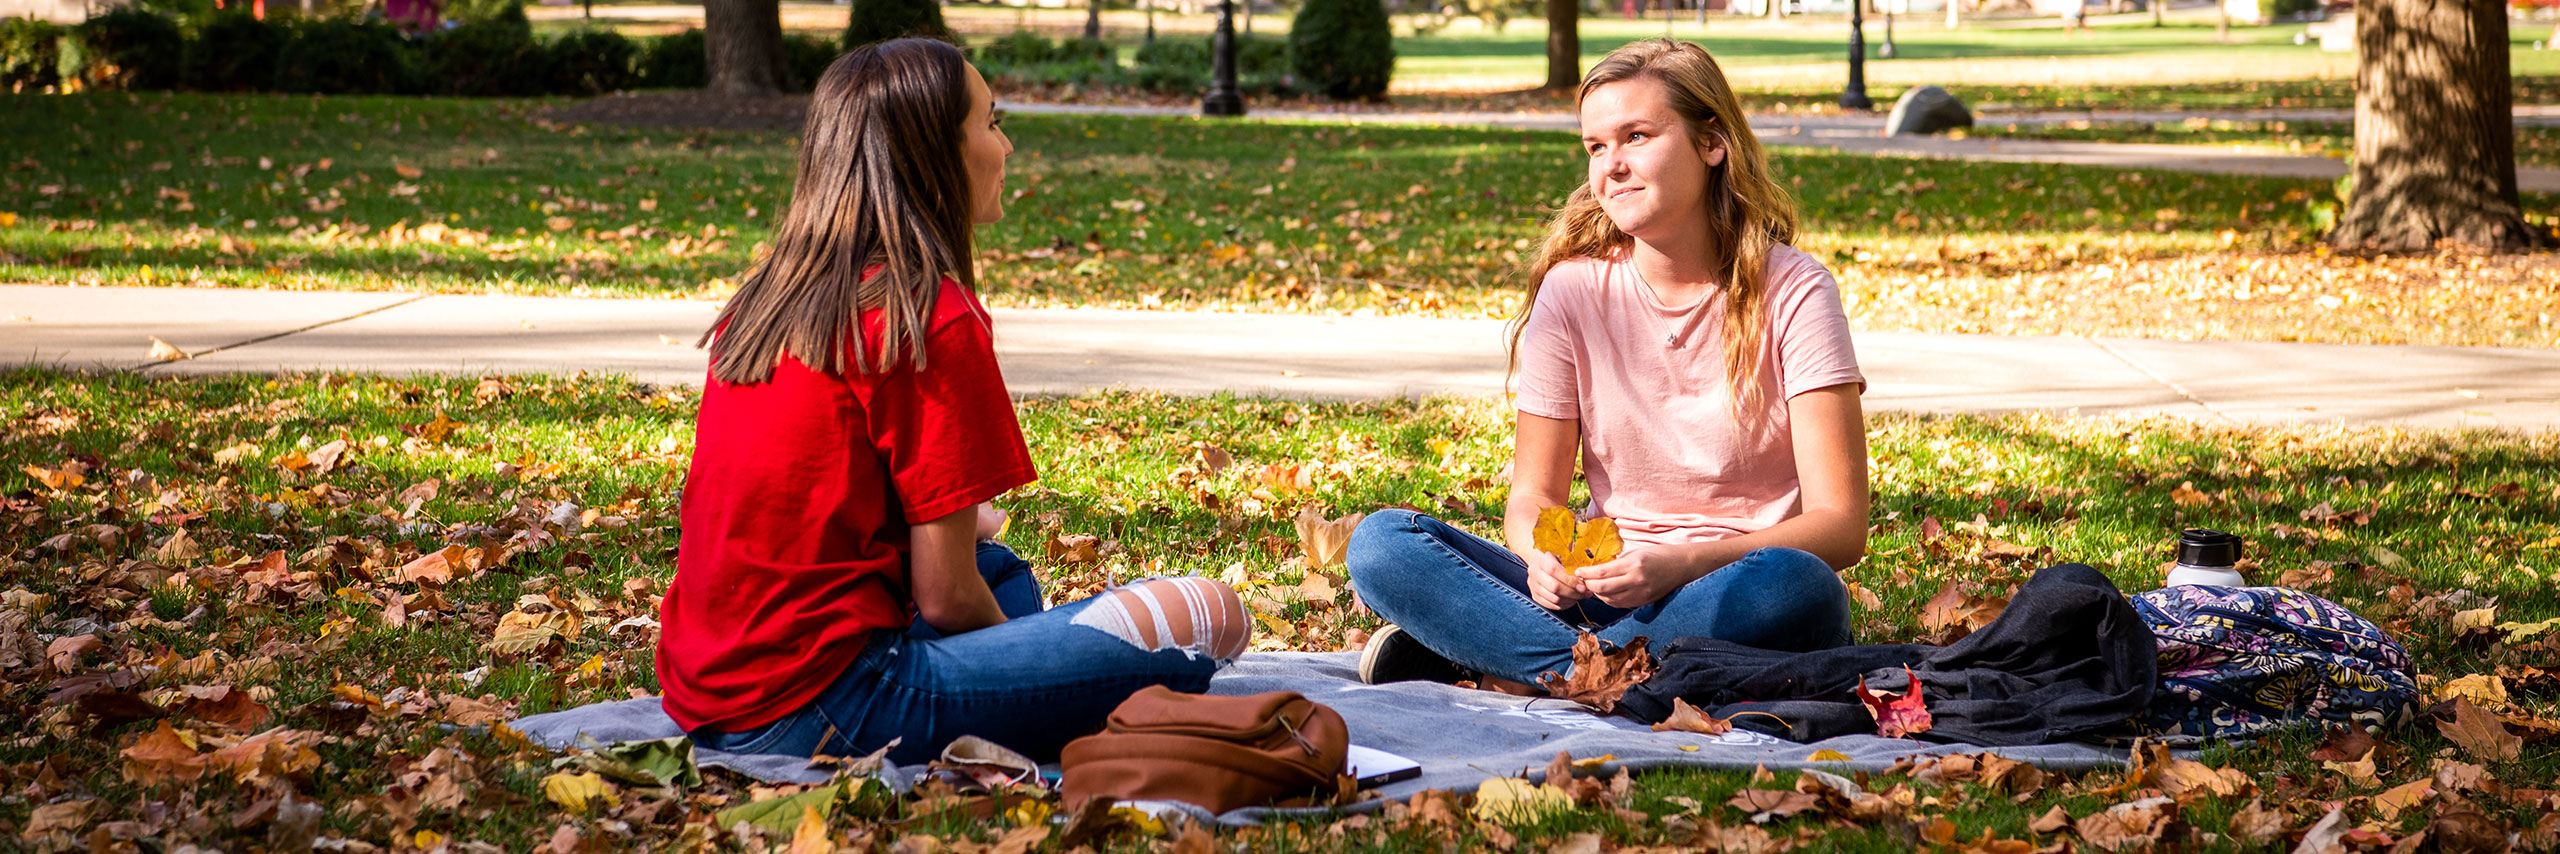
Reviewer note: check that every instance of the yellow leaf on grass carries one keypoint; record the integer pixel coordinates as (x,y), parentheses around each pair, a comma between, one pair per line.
(811,836)
(2480,688)
(1510,799)
(577,792)
(1324,541)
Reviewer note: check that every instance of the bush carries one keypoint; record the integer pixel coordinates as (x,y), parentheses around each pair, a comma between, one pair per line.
(491,56)
(1343,48)
(592,62)
(1184,65)
(881,20)
(339,56)
(674,62)
(809,57)
(1026,58)
(128,48)
(232,52)
(29,54)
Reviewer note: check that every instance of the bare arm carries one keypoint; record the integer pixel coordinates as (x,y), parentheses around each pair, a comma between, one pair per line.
(943,575)
(1830,437)
(1542,459)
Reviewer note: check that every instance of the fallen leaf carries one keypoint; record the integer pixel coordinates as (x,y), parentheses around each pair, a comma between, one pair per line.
(1509,800)
(578,792)
(433,568)
(2127,825)
(2344,744)
(64,652)
(1687,718)
(163,351)
(163,754)
(1324,541)
(811,836)
(63,817)
(2402,798)
(1766,804)
(1897,715)
(2480,733)
(1600,678)
(2481,688)
(2256,825)
(407,171)
(2327,836)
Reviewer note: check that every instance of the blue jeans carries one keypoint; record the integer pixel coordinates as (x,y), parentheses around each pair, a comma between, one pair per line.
(1032,683)
(1467,598)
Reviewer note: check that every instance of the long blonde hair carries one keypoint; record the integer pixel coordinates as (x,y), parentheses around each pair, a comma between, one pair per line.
(1748,214)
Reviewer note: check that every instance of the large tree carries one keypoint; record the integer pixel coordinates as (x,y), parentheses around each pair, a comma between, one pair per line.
(1564,45)
(742,43)
(2435,132)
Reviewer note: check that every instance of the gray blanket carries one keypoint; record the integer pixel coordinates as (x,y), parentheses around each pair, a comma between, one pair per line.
(1460,737)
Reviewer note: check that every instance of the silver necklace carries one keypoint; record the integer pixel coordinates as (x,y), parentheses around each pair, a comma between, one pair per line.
(1689,316)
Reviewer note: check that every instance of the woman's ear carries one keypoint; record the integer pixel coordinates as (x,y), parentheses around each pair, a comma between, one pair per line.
(1712,152)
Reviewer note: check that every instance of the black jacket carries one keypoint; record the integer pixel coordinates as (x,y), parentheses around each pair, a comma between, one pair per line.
(2068,659)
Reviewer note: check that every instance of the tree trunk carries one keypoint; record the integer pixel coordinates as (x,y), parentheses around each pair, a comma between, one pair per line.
(1564,45)
(742,46)
(1093,20)
(2435,150)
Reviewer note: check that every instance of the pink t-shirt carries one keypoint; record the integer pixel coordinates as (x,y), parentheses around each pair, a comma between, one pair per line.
(1660,445)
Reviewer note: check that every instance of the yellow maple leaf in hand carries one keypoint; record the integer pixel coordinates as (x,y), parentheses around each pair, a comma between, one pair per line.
(1593,541)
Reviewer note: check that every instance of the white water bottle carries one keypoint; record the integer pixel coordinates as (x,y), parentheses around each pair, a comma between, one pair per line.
(2207,556)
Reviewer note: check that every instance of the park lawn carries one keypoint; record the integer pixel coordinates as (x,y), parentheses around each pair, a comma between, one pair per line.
(455,195)
(2536,145)
(296,597)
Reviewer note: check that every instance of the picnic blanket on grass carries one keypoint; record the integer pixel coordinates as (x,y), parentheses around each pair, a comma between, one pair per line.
(1460,737)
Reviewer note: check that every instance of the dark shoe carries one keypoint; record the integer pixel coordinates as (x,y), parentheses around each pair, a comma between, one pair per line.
(1393,655)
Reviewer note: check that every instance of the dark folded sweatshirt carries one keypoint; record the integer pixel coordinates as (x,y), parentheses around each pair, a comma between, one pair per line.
(2067,660)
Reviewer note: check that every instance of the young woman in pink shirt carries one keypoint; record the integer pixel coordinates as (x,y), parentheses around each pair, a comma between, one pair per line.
(1700,370)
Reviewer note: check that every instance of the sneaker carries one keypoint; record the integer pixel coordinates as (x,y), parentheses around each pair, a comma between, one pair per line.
(1394,655)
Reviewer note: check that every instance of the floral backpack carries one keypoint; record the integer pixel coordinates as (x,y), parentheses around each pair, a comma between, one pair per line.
(2237,662)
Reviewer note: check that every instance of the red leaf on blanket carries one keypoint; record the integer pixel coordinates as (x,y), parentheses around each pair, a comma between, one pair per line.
(1897,715)
(1600,678)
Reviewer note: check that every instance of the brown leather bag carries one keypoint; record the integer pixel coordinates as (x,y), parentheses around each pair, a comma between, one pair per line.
(1218,752)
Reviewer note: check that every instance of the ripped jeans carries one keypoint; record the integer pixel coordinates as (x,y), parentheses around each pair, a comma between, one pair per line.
(1032,683)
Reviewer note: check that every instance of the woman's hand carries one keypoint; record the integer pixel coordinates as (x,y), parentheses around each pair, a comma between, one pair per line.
(1639,577)
(990,521)
(1550,585)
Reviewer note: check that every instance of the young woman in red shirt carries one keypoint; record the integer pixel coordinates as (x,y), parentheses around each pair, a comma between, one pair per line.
(836,588)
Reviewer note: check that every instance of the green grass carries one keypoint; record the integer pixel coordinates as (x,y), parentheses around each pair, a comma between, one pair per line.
(2536,145)
(308,193)
(2449,512)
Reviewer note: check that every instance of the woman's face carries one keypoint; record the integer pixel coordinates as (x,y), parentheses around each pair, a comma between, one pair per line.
(1648,170)
(984,149)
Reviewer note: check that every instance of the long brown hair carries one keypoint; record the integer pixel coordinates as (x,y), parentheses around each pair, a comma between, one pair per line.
(1748,214)
(881,184)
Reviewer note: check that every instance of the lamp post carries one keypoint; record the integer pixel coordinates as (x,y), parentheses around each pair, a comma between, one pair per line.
(1855,97)
(1223,100)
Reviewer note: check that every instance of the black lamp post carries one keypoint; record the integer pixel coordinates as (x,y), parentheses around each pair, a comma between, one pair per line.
(1855,97)
(1223,100)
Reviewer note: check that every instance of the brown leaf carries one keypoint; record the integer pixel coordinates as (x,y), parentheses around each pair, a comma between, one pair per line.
(2463,830)
(1324,541)
(1960,608)
(63,817)
(1897,715)
(2128,825)
(2187,496)
(227,707)
(163,351)
(1766,804)
(2480,733)
(162,754)
(1600,678)
(2053,820)
(433,568)
(326,458)
(2344,744)
(64,652)
(2402,798)
(1075,549)
(1687,718)
(2327,836)
(2256,825)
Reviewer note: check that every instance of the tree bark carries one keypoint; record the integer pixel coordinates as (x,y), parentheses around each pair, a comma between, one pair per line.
(1093,20)
(742,43)
(2435,149)
(1564,45)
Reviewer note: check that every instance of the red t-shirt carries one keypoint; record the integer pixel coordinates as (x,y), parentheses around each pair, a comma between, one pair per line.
(794,544)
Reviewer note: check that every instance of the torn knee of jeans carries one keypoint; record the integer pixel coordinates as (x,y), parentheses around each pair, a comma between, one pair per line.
(1195,615)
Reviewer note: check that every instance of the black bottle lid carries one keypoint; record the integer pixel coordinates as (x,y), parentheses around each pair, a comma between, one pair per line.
(2208,547)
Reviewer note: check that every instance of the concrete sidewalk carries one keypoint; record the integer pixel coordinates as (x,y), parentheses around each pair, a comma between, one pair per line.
(1056,351)
(1863,134)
